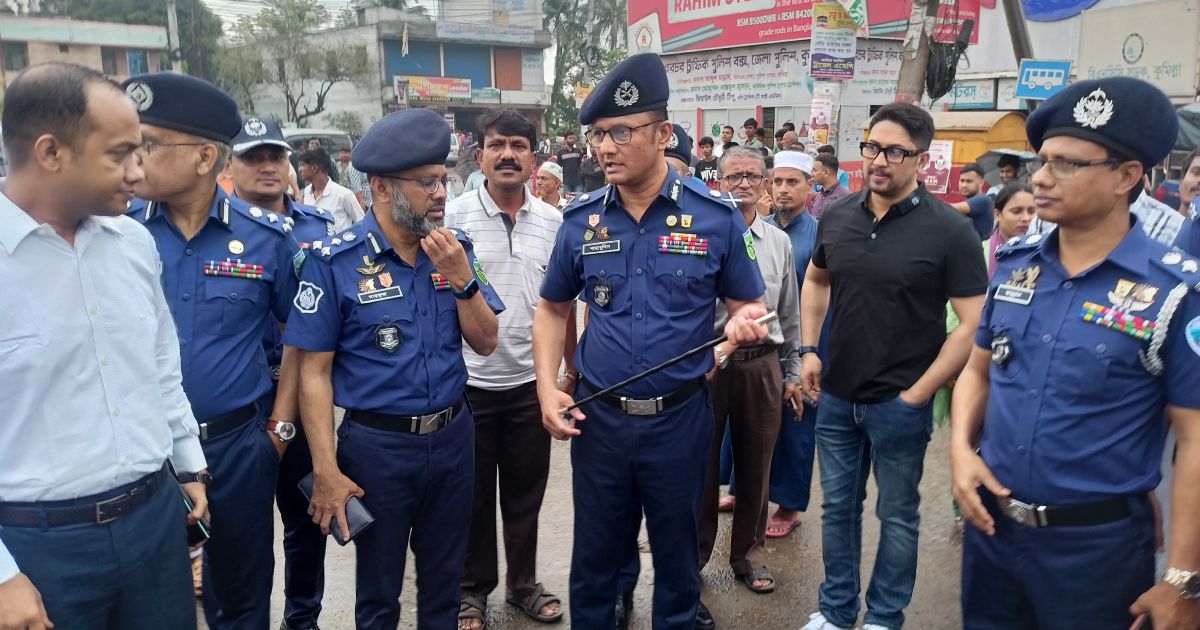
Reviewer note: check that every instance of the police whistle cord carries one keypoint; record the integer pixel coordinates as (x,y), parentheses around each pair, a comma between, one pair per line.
(660,367)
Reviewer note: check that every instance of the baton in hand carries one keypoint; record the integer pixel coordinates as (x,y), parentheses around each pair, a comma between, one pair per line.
(658,368)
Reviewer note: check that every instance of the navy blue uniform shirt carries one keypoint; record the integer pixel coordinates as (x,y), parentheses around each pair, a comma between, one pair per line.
(394,328)
(1075,412)
(651,285)
(236,275)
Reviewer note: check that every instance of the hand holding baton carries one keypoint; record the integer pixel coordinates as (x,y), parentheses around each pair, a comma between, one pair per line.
(656,369)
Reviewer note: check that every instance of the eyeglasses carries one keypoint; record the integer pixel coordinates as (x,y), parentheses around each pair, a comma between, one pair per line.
(1065,169)
(894,155)
(428,184)
(146,147)
(619,134)
(736,180)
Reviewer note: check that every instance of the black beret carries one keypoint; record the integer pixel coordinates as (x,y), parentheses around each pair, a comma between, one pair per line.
(257,132)
(403,140)
(1128,116)
(638,84)
(680,145)
(184,103)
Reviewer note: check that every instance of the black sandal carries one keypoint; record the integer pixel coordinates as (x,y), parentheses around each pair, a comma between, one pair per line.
(537,600)
(473,607)
(760,573)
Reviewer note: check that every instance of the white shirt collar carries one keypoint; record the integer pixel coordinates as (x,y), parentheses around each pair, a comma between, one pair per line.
(16,224)
(490,206)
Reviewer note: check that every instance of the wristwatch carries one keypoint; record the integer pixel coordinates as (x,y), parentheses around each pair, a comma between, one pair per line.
(722,358)
(283,429)
(468,291)
(196,477)
(1188,582)
(806,349)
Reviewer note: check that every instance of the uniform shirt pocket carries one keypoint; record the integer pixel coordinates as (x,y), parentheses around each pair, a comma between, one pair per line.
(608,270)
(679,280)
(230,303)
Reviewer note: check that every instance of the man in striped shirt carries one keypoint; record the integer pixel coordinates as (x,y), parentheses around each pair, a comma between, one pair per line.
(513,233)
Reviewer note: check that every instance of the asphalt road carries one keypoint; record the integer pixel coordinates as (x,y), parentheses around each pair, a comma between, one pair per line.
(795,562)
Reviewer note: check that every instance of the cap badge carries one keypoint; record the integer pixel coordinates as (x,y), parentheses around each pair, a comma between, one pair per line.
(141,95)
(1094,110)
(673,143)
(626,94)
(255,127)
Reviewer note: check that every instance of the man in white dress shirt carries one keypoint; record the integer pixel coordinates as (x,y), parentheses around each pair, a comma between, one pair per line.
(92,525)
(323,192)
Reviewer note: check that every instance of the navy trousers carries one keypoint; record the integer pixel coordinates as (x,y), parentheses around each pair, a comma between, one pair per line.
(419,489)
(624,462)
(1057,577)
(130,574)
(303,542)
(240,558)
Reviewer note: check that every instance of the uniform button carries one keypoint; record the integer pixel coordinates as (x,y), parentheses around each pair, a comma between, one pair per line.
(187,296)
(233,295)
(387,318)
(642,231)
(639,271)
(1021,449)
(638,360)
(872,236)
(187,252)
(602,273)
(679,273)
(103,360)
(116,412)
(1068,285)
(1033,393)
(424,312)
(1046,338)
(637,316)
(1101,348)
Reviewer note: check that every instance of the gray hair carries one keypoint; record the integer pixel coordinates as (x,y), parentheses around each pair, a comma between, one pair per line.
(741,152)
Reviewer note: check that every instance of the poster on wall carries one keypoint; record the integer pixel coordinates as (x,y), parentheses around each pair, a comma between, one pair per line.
(833,42)
(821,120)
(936,175)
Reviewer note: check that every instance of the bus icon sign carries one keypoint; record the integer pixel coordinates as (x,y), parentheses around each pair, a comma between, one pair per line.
(1040,79)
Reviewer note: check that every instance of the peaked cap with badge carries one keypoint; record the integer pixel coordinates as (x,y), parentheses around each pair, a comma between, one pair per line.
(680,145)
(257,132)
(638,84)
(184,103)
(1128,116)
(401,141)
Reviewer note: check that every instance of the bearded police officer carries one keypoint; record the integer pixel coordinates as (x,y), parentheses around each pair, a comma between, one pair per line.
(228,269)
(1088,341)
(379,320)
(650,254)
(259,169)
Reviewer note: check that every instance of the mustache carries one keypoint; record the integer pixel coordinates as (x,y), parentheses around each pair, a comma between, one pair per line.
(509,163)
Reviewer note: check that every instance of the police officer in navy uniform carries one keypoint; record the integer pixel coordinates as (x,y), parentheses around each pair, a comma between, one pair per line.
(379,320)
(259,170)
(228,269)
(1090,338)
(650,255)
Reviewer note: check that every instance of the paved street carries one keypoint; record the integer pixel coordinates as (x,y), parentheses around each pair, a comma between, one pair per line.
(795,561)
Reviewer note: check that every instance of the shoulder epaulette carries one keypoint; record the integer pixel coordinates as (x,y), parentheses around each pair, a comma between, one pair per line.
(1018,244)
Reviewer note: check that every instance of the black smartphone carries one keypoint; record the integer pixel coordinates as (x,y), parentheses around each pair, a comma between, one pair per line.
(201,531)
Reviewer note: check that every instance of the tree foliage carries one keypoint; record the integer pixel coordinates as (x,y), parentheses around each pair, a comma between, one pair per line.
(350,122)
(199,29)
(277,50)
(568,25)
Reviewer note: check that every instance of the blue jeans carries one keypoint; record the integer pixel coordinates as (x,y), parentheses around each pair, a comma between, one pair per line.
(849,436)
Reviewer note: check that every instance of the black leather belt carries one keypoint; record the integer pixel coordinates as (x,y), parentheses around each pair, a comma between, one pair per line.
(652,406)
(420,425)
(1080,515)
(221,425)
(753,352)
(98,509)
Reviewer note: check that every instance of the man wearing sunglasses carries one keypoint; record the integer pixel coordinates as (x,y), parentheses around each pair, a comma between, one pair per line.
(885,262)
(650,254)
(378,322)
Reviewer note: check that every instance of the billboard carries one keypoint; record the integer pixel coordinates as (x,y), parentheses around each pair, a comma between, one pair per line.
(1155,42)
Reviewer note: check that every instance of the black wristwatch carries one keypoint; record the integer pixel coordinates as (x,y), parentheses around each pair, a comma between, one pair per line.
(806,349)
(468,291)
(196,477)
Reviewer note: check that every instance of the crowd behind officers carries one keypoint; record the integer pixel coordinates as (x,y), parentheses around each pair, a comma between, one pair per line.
(139,346)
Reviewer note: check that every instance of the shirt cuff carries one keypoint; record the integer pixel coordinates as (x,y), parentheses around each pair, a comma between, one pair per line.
(188,456)
(8,565)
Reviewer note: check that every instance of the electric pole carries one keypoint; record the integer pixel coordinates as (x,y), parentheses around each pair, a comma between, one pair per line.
(174,48)
(911,84)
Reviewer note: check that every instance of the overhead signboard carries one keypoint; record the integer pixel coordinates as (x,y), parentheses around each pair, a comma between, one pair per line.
(1039,79)
(1154,41)
(434,89)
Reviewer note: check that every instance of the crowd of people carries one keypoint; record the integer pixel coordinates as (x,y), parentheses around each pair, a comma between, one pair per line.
(170,341)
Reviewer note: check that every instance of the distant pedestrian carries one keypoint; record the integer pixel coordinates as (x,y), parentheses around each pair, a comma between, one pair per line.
(323,192)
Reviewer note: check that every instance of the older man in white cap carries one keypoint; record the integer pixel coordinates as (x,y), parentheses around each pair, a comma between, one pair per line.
(549,185)
(749,392)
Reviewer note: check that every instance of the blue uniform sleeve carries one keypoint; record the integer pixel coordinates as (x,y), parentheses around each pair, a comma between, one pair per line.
(983,335)
(1182,360)
(1189,238)
(288,259)
(564,277)
(485,287)
(315,322)
(739,277)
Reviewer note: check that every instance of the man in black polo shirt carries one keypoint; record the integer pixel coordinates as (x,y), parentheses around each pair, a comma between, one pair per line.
(885,261)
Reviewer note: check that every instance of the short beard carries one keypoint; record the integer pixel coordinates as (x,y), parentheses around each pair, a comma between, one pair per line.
(403,215)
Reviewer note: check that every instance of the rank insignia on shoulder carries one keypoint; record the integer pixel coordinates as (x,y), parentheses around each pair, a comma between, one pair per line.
(272,217)
(584,197)
(1020,286)
(716,194)
(256,212)
(348,236)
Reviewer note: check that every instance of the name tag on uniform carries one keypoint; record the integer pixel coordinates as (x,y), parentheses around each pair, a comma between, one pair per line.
(602,247)
(1016,295)
(370,297)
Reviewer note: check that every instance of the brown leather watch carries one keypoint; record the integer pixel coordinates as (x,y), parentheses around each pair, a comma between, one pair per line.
(283,429)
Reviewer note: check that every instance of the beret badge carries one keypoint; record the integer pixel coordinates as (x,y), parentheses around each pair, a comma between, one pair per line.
(1093,110)
(626,94)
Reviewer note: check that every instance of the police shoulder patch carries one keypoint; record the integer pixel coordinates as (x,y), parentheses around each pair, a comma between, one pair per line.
(264,218)
(1181,267)
(582,201)
(462,236)
(1017,245)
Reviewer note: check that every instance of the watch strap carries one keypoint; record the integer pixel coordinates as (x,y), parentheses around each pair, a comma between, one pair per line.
(468,291)
(194,477)
(807,349)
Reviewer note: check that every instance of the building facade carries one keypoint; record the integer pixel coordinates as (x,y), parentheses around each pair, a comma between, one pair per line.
(118,50)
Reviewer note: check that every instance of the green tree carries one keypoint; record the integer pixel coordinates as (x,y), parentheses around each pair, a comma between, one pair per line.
(350,122)
(199,29)
(567,22)
(277,49)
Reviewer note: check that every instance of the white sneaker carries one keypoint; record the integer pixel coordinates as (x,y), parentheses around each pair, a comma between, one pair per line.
(817,621)
(873,626)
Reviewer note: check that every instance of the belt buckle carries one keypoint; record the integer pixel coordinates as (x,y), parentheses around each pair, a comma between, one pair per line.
(429,423)
(647,407)
(203,431)
(100,518)
(1026,514)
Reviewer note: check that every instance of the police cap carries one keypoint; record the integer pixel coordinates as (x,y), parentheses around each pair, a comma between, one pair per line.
(638,84)
(1128,116)
(257,132)
(403,140)
(680,145)
(184,103)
